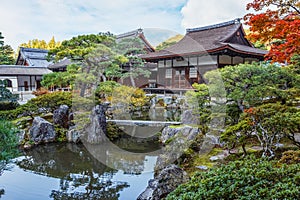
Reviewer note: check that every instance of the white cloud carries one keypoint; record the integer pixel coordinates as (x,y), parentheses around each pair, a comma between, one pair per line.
(197,13)
(42,19)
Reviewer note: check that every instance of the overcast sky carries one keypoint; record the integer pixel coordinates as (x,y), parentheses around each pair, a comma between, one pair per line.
(22,20)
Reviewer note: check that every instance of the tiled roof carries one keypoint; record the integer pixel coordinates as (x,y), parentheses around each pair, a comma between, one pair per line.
(208,39)
(33,57)
(60,64)
(137,33)
(131,34)
(22,70)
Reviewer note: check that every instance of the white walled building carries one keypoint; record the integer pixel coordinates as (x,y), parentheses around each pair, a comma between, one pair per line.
(25,77)
(22,80)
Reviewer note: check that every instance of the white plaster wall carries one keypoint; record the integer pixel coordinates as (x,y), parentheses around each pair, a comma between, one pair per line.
(14,81)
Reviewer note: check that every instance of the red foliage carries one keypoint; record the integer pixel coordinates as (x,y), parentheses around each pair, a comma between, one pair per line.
(280,27)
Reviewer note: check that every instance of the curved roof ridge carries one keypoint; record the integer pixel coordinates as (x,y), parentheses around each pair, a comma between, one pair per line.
(130,33)
(219,25)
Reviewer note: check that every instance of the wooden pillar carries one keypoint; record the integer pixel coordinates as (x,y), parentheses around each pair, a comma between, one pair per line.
(30,83)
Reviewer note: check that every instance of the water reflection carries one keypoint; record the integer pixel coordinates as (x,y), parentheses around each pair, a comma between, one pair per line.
(71,172)
(81,175)
(153,114)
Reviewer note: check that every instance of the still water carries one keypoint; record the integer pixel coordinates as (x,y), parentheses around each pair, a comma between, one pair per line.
(69,171)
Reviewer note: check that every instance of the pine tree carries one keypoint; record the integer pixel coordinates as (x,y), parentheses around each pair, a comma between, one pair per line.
(6,53)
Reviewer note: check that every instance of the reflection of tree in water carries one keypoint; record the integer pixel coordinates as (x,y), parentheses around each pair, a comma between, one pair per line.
(3,166)
(97,188)
(2,192)
(81,176)
(121,154)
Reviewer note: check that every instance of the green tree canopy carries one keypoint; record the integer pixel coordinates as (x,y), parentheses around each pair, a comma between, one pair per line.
(100,58)
(132,48)
(261,104)
(6,53)
(5,94)
(169,42)
(41,44)
(78,47)
(8,140)
(249,85)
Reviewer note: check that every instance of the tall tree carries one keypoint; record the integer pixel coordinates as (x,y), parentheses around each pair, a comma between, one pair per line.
(41,44)
(91,52)
(131,48)
(277,24)
(6,53)
(1,39)
(251,85)
(78,47)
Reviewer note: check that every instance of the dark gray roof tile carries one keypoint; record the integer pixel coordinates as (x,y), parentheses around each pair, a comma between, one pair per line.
(207,39)
(14,70)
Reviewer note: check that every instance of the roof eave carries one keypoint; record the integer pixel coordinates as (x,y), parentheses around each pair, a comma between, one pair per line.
(210,51)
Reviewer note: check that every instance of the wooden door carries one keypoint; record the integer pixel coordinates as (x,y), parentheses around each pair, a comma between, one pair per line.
(179,78)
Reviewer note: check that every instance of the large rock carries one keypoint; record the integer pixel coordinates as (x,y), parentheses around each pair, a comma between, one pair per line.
(61,116)
(190,118)
(177,140)
(41,131)
(95,132)
(187,132)
(164,183)
(73,135)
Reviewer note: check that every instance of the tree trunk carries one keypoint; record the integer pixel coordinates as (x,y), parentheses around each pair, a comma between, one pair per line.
(132,81)
(84,85)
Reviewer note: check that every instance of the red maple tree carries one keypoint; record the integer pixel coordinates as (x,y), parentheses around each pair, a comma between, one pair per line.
(276,24)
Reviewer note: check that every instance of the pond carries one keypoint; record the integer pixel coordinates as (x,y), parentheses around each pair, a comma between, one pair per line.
(70,171)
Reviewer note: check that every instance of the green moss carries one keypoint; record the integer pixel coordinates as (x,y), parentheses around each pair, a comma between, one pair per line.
(168,141)
(201,159)
(61,134)
(113,131)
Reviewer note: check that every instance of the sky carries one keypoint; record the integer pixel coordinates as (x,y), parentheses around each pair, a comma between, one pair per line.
(24,20)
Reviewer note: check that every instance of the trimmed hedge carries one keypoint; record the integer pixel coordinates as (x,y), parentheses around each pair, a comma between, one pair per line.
(50,102)
(247,179)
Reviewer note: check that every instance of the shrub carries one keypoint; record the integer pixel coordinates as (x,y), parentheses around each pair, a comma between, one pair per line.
(106,89)
(61,134)
(52,100)
(129,97)
(49,102)
(246,179)
(269,123)
(290,157)
(7,105)
(8,140)
(41,91)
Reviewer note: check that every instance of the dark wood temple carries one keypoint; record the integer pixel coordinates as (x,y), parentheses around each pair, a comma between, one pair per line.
(200,50)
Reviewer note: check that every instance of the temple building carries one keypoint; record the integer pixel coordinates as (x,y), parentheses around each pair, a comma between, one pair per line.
(33,57)
(200,50)
(138,33)
(25,77)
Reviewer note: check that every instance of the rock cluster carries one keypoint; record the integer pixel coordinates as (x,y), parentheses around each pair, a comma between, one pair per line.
(96,130)
(61,116)
(164,183)
(41,131)
(188,117)
(187,132)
